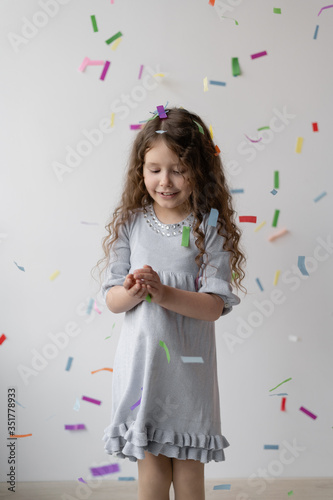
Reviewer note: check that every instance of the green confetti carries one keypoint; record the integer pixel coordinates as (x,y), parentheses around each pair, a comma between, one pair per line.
(287,380)
(199,127)
(276,179)
(162,344)
(107,337)
(275,218)
(114,37)
(276,10)
(290,492)
(93,20)
(263,128)
(235,66)
(148,298)
(185,236)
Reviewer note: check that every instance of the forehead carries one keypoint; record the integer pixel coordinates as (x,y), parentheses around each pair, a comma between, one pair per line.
(160,153)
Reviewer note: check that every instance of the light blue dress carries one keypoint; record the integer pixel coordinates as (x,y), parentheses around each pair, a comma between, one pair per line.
(159,402)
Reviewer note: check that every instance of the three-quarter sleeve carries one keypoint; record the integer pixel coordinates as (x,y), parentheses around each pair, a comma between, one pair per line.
(118,262)
(216,270)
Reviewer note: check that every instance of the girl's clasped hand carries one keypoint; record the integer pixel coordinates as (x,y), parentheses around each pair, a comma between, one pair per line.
(144,281)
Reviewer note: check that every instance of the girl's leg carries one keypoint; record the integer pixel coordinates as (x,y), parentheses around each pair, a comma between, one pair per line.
(188,479)
(155,477)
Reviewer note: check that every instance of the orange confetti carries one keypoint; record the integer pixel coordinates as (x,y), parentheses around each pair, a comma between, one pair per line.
(20,435)
(108,369)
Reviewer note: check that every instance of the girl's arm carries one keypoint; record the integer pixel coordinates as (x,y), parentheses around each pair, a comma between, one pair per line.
(204,306)
(118,300)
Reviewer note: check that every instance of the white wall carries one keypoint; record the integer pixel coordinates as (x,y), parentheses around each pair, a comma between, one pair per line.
(46,104)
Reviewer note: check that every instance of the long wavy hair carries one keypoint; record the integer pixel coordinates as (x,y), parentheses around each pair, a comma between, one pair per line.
(189,138)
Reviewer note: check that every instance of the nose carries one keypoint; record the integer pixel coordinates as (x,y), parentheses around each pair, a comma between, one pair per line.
(165,179)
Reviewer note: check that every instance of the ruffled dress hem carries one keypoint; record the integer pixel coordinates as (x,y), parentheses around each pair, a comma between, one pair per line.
(126,442)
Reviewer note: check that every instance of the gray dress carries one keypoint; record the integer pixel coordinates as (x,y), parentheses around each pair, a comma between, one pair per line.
(159,402)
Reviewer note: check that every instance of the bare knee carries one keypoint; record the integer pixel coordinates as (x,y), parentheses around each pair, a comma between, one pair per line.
(155,470)
(188,479)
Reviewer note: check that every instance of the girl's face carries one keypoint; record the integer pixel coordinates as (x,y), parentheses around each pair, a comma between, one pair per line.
(162,174)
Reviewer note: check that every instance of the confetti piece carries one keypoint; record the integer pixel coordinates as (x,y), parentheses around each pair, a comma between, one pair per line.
(276,277)
(301,265)
(69,364)
(225,17)
(160,131)
(248,218)
(307,412)
(95,63)
(106,469)
(222,487)
(299,145)
(316,32)
(114,37)
(283,404)
(105,69)
(275,218)
(84,63)
(185,236)
(218,151)
(315,127)
(161,112)
(116,43)
(253,140)
(205,82)
(76,427)
(136,127)
(148,298)
(140,72)
(126,478)
(327,7)
(276,10)
(235,66)
(19,404)
(259,54)
(101,369)
(263,128)
(20,267)
(2,338)
(20,435)
(159,74)
(215,82)
(199,127)
(91,400)
(82,480)
(280,394)
(293,338)
(192,359)
(274,192)
(211,131)
(287,380)
(213,216)
(76,407)
(137,403)
(276,179)
(162,344)
(94,23)
(234,191)
(90,306)
(89,223)
(290,492)
(211,2)
(112,119)
(96,308)
(54,275)
(273,237)
(260,226)
(271,446)
(319,197)
(259,284)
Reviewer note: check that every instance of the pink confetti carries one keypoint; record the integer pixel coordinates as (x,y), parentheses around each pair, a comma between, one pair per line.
(140,73)
(307,412)
(259,54)
(135,127)
(76,427)
(106,469)
(327,7)
(105,69)
(253,140)
(161,112)
(82,480)
(91,400)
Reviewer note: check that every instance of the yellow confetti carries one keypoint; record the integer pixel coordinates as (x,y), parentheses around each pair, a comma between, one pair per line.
(205,82)
(54,275)
(116,43)
(299,144)
(260,226)
(112,119)
(159,74)
(276,277)
(211,131)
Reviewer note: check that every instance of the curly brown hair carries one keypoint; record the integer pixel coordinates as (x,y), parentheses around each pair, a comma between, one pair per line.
(189,138)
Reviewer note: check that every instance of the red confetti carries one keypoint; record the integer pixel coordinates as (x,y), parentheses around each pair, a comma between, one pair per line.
(315,127)
(283,404)
(248,218)
(211,2)
(2,338)
(218,151)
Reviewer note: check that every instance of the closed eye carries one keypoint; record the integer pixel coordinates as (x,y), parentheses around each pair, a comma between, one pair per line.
(175,171)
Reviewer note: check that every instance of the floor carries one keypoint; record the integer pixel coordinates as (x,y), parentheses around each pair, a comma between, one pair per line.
(278,489)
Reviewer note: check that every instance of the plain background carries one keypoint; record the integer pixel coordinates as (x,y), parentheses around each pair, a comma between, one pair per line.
(47,104)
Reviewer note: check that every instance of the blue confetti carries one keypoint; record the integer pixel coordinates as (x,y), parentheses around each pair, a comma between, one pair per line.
(316,32)
(233,191)
(259,284)
(90,306)
(69,364)
(215,82)
(320,196)
(222,487)
(213,216)
(271,446)
(274,191)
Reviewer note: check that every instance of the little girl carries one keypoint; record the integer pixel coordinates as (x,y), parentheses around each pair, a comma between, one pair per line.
(169,269)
